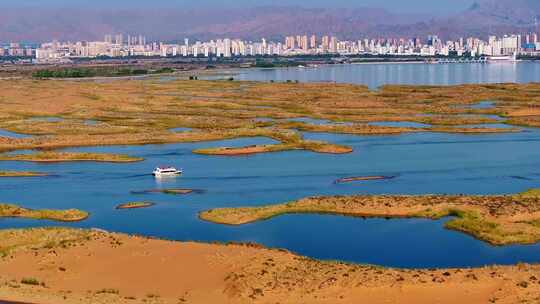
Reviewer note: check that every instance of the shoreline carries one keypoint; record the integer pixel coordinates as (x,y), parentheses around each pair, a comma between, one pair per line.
(57,157)
(22,174)
(72,266)
(135,205)
(497,220)
(90,266)
(307,145)
(66,216)
(352,179)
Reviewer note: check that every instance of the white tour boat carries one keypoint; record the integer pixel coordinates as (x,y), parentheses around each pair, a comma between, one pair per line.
(166,171)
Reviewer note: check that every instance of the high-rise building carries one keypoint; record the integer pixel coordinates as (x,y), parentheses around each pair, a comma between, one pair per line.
(325,43)
(304,43)
(290,42)
(313,42)
(510,44)
(333,44)
(119,39)
(115,46)
(227,47)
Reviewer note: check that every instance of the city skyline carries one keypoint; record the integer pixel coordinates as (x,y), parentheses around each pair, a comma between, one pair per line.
(120,45)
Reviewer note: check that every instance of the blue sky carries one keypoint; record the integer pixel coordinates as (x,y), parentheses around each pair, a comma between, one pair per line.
(407,6)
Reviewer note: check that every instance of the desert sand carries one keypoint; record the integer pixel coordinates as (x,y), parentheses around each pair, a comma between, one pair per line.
(82,266)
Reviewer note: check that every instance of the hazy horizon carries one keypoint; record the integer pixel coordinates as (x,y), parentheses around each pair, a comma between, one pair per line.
(440,7)
(43,20)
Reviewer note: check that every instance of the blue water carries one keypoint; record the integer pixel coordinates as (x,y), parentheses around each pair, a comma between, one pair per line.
(483,105)
(489,125)
(47,119)
(423,163)
(314,121)
(398,124)
(264,119)
(91,122)
(180,129)
(376,75)
(6,133)
(489,116)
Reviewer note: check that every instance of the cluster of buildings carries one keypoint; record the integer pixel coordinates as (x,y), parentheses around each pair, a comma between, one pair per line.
(15,49)
(130,46)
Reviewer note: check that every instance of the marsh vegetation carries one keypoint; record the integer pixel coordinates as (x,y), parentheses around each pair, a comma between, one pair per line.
(71,215)
(145,112)
(499,220)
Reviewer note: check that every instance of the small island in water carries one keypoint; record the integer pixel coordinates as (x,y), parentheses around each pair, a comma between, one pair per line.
(135,205)
(21,174)
(361,179)
(15,211)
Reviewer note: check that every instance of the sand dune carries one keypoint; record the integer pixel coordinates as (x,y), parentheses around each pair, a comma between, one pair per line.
(98,267)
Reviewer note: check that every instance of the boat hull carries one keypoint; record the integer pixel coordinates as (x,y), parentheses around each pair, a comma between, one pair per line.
(166,174)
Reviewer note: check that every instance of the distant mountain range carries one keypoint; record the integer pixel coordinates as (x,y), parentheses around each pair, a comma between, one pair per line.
(482,18)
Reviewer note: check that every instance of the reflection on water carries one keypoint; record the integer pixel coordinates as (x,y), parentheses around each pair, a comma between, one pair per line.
(376,75)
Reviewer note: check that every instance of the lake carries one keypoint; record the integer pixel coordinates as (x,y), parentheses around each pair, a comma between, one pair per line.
(423,163)
(375,75)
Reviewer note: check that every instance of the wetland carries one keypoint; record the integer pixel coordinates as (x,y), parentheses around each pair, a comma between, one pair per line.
(318,133)
(263,179)
(440,174)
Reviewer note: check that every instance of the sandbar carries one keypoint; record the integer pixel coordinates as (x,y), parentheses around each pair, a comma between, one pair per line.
(135,205)
(21,174)
(361,179)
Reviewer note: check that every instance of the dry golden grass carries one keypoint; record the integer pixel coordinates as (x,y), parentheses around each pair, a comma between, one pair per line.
(51,156)
(90,266)
(13,240)
(144,111)
(71,215)
(135,205)
(21,174)
(499,220)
